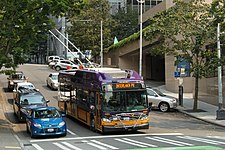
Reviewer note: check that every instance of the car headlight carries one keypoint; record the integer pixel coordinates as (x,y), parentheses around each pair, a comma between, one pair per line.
(37,125)
(106,120)
(62,123)
(173,100)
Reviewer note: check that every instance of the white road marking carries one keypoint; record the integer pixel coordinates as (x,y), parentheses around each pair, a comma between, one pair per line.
(61,146)
(71,146)
(201,140)
(103,144)
(99,137)
(127,142)
(37,147)
(146,144)
(168,142)
(98,146)
(71,132)
(217,137)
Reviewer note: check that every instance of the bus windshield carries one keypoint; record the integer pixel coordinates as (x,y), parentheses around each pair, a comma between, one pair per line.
(124,101)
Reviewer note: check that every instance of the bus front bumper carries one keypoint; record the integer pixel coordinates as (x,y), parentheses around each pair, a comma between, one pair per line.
(125,127)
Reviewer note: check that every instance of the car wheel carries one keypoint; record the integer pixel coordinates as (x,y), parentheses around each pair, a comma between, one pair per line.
(164,107)
(57,68)
(92,124)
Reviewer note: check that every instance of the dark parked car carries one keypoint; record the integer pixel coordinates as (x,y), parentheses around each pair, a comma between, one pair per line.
(15,78)
(43,121)
(25,100)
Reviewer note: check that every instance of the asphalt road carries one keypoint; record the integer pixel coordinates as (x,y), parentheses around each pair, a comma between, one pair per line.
(171,129)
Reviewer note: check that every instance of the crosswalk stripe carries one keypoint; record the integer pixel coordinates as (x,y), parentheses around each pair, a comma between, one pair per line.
(168,142)
(201,140)
(127,142)
(130,140)
(71,132)
(217,137)
(103,144)
(71,146)
(37,147)
(98,146)
(61,146)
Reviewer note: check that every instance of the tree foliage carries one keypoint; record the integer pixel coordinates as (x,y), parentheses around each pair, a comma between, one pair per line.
(127,23)
(85,30)
(21,22)
(184,31)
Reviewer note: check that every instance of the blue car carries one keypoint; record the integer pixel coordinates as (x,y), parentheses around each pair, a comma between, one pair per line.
(45,121)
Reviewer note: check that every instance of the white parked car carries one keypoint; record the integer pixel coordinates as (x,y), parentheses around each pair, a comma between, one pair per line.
(52,80)
(65,64)
(161,101)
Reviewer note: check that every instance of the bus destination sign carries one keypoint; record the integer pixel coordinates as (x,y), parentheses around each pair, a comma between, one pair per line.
(126,85)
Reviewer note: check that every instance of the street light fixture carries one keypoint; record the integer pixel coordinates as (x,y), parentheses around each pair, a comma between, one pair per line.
(140,60)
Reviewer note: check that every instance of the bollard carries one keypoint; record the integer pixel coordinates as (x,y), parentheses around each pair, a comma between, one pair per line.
(181,95)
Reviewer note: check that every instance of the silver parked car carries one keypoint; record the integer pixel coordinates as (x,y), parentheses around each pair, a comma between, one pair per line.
(52,80)
(64,64)
(161,101)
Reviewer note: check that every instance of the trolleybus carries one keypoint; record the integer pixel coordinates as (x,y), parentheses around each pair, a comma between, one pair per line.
(106,99)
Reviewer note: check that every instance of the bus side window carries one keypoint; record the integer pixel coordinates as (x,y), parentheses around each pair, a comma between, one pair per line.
(92,98)
(79,94)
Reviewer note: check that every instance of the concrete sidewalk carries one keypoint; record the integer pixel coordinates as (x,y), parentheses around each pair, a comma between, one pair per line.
(207,113)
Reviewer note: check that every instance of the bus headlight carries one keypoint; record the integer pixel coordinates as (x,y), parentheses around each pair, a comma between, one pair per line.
(61,123)
(106,120)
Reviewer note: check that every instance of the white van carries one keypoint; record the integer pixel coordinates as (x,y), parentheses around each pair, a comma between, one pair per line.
(51,58)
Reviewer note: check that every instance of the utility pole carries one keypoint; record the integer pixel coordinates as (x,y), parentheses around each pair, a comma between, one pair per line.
(140,59)
(101,46)
(220,112)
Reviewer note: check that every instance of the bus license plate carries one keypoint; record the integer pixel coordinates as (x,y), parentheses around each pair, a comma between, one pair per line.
(50,130)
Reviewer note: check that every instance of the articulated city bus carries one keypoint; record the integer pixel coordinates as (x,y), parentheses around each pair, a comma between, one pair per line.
(106,99)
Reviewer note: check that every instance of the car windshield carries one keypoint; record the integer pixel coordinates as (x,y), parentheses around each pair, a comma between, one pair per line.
(32,100)
(46,113)
(27,86)
(124,101)
(18,76)
(54,77)
(159,93)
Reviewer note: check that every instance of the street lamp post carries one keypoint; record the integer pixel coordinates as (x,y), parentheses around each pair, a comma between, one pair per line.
(220,113)
(140,59)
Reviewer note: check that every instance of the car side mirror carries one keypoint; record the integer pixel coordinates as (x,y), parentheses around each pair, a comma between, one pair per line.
(156,95)
(47,101)
(37,90)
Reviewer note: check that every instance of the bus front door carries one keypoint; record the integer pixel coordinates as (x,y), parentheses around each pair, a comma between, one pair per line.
(98,112)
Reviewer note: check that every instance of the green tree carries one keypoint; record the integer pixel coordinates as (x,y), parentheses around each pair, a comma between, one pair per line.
(21,23)
(127,23)
(184,31)
(85,29)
